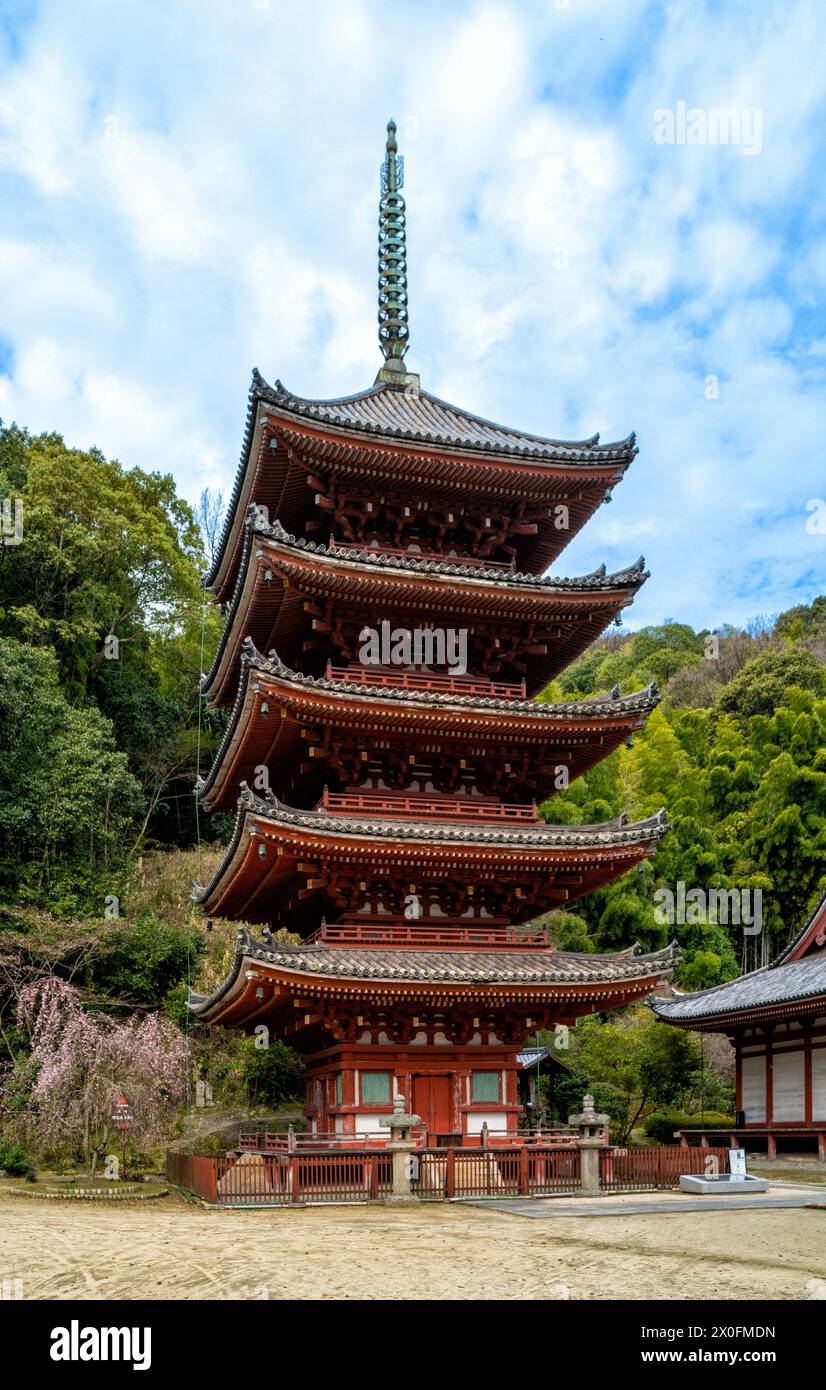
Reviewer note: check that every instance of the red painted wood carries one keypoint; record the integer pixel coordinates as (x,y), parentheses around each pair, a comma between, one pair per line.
(432,1100)
(481,562)
(425,933)
(465,808)
(439,685)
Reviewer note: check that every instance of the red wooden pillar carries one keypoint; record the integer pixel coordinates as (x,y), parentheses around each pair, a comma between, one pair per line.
(821,1146)
(738,1072)
(524,1172)
(450,1174)
(348,1097)
(457,1096)
(771,1145)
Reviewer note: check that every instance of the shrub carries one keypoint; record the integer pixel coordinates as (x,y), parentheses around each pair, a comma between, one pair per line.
(661,1125)
(16,1162)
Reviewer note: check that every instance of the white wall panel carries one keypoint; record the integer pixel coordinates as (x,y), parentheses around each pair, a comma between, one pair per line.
(788,1100)
(754,1089)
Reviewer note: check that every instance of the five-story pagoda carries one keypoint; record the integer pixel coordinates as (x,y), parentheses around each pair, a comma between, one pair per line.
(387,625)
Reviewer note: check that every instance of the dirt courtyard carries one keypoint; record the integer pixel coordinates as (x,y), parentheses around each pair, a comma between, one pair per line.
(167,1249)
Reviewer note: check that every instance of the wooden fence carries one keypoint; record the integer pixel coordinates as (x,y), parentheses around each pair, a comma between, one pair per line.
(646,1170)
(252,1180)
(492,1172)
(360,1175)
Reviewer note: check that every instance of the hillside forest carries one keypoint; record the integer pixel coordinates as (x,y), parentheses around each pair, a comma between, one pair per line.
(103,633)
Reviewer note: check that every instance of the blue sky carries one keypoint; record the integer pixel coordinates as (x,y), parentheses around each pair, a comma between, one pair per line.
(190,190)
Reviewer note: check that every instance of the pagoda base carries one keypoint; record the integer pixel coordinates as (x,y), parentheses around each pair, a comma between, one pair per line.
(455,1088)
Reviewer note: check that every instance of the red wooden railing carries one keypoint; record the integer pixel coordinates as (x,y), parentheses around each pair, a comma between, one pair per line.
(416,680)
(351,1173)
(623,1170)
(495,1172)
(281,1178)
(264,1141)
(463,808)
(422,933)
(478,561)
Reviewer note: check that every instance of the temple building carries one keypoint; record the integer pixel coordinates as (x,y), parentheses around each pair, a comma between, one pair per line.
(775,1018)
(388,625)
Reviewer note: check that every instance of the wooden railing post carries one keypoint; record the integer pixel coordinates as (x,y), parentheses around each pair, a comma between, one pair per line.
(524,1172)
(450,1174)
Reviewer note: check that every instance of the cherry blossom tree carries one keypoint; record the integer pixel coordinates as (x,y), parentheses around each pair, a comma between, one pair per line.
(85,1062)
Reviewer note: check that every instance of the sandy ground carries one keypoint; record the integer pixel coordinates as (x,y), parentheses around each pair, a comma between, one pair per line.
(167,1249)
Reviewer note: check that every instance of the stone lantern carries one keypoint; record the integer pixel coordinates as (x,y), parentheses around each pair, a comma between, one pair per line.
(591,1128)
(401,1146)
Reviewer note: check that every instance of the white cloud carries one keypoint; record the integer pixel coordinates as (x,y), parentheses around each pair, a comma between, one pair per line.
(191,191)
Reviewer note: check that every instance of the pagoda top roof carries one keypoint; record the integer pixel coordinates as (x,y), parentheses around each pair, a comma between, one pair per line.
(409,413)
(543,966)
(406,415)
(797,975)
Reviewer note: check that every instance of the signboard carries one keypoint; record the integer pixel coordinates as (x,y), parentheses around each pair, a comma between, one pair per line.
(737,1162)
(122,1116)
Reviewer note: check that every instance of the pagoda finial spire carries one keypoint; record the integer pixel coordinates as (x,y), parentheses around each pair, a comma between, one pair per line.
(393,329)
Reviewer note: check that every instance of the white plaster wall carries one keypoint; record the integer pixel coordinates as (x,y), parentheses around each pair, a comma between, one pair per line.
(819,1083)
(369,1124)
(787,1092)
(494,1119)
(754,1088)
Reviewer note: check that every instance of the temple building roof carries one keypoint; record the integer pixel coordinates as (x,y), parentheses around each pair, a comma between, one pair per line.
(415,438)
(274,848)
(548,966)
(417,416)
(264,979)
(606,834)
(797,976)
(597,723)
(401,583)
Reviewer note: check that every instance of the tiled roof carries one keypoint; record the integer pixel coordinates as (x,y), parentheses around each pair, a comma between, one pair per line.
(597,582)
(608,834)
(778,984)
(619,831)
(432,965)
(415,416)
(784,981)
(560,711)
(597,579)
